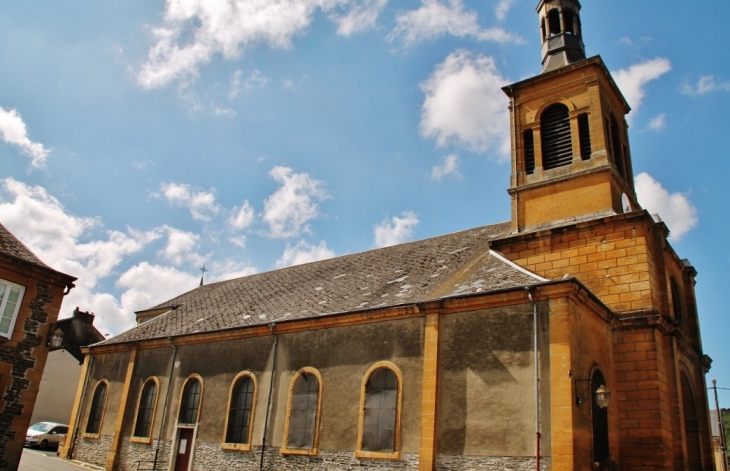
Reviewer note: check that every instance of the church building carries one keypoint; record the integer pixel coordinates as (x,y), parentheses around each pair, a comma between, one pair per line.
(564,339)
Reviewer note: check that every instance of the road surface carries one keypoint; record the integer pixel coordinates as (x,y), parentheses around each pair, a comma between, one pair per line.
(38,460)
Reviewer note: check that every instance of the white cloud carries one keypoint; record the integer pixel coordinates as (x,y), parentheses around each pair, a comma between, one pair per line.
(450,166)
(194,31)
(658,123)
(631,81)
(201,204)
(503,8)
(255,80)
(395,230)
(675,209)
(242,217)
(289,210)
(434,19)
(304,253)
(228,270)
(464,103)
(361,17)
(706,84)
(14,132)
(181,247)
(147,285)
(71,245)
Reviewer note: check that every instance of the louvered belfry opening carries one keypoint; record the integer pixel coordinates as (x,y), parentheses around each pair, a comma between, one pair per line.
(557,146)
(584,135)
(529,141)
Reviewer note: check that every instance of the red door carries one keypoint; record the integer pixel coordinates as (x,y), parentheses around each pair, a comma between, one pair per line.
(184,449)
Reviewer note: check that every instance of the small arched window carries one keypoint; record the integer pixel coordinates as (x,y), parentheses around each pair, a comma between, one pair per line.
(584,136)
(303,418)
(529,143)
(146,410)
(190,403)
(601,450)
(676,300)
(240,410)
(98,405)
(557,144)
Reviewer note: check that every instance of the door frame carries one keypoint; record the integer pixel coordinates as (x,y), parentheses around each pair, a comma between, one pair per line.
(176,444)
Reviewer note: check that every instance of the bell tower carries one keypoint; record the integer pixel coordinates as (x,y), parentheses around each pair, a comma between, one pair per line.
(570,150)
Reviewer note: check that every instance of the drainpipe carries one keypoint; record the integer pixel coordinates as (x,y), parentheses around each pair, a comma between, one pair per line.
(537,380)
(164,406)
(271,391)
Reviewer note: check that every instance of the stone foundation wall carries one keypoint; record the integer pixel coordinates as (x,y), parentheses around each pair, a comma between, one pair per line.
(132,453)
(92,451)
(489,463)
(210,457)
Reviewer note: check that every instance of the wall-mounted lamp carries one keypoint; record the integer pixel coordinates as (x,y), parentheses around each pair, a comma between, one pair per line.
(55,338)
(602,393)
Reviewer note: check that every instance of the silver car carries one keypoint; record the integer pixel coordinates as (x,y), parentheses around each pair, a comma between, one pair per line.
(45,434)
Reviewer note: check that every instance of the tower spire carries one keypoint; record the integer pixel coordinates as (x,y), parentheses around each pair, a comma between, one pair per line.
(562,37)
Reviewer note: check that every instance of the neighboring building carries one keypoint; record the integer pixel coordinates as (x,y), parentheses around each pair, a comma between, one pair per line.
(718,444)
(63,368)
(567,335)
(30,298)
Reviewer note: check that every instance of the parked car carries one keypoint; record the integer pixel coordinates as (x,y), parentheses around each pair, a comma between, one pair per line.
(45,434)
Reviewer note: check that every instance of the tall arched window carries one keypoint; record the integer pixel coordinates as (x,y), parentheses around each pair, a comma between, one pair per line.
(617,147)
(557,144)
(568,19)
(145,411)
(240,411)
(379,433)
(303,418)
(529,143)
(98,405)
(554,22)
(190,402)
(691,425)
(676,300)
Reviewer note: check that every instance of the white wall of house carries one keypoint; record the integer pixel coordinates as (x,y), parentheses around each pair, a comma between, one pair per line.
(58,388)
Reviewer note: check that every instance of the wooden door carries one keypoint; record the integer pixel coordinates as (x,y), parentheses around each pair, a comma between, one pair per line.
(184,449)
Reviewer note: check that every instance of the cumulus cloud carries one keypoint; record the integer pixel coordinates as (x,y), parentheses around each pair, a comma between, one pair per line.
(242,217)
(450,166)
(675,209)
(360,17)
(14,132)
(193,31)
(181,247)
(200,203)
(631,81)
(395,230)
(434,19)
(74,245)
(304,252)
(289,210)
(658,123)
(706,84)
(502,9)
(465,105)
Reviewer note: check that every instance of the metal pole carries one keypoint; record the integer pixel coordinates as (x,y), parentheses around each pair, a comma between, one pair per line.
(537,381)
(723,444)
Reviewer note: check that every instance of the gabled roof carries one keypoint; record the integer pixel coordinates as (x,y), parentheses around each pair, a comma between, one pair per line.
(440,267)
(10,245)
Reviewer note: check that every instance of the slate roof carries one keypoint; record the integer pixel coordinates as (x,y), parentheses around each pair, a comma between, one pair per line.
(10,245)
(440,267)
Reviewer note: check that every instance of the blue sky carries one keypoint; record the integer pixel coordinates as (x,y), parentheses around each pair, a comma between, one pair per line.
(140,140)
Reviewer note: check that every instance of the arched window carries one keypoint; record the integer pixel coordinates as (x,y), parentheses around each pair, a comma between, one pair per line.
(379,431)
(557,145)
(676,300)
(601,452)
(692,425)
(98,405)
(145,411)
(240,411)
(303,418)
(568,20)
(584,135)
(190,403)
(554,22)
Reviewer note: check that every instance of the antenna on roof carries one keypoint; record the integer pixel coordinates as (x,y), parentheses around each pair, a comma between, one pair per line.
(202,274)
